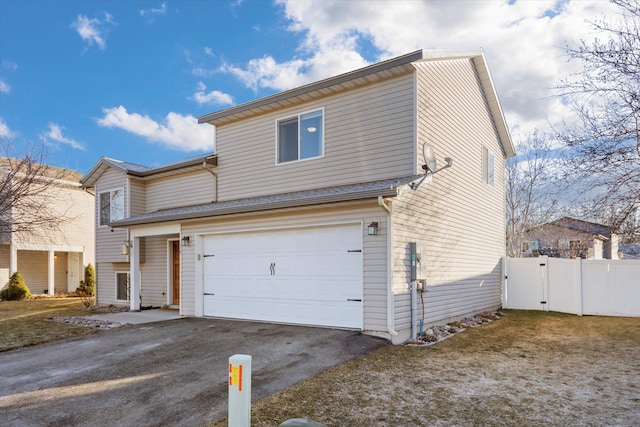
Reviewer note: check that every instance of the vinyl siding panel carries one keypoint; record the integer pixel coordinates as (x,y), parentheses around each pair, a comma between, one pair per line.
(457,216)
(374,249)
(154,285)
(4,265)
(109,240)
(77,207)
(106,282)
(369,135)
(60,272)
(137,197)
(180,190)
(34,267)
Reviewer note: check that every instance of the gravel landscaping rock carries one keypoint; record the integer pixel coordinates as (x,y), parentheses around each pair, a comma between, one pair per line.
(88,322)
(438,333)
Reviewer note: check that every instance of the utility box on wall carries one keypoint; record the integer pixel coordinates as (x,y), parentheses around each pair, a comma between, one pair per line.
(417,262)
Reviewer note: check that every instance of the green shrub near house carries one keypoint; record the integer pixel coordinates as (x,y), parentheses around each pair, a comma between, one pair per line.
(16,290)
(87,286)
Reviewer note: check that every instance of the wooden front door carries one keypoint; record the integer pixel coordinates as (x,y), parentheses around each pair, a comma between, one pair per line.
(175,272)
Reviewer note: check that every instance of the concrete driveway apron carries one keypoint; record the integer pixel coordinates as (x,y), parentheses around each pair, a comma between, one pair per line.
(164,373)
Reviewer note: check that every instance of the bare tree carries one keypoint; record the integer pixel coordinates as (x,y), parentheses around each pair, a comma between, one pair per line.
(28,188)
(606,97)
(530,189)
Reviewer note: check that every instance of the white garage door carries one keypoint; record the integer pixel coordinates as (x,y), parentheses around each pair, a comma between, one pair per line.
(309,276)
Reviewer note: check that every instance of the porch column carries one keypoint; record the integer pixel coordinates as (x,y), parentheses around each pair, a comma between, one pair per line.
(52,274)
(13,259)
(134,275)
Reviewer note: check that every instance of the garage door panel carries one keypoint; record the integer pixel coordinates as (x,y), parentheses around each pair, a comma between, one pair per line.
(308,276)
(309,312)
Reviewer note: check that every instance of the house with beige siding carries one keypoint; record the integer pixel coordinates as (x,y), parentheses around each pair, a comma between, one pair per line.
(572,238)
(52,260)
(314,206)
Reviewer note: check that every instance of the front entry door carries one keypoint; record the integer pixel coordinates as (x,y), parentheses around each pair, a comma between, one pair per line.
(175,272)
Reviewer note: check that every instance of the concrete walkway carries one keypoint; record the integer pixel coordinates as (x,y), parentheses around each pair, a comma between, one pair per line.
(138,317)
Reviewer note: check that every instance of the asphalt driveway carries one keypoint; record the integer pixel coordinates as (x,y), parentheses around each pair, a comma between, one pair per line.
(166,373)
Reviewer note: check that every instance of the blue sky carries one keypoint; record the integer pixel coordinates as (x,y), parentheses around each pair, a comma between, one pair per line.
(128,79)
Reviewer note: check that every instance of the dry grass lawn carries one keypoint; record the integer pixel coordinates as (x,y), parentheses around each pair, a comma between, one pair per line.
(526,369)
(24,323)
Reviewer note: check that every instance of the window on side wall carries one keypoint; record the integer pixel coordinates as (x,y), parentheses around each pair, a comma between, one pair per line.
(122,286)
(300,137)
(111,206)
(488,168)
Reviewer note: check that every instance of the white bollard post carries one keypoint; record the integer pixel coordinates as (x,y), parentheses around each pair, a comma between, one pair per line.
(239,391)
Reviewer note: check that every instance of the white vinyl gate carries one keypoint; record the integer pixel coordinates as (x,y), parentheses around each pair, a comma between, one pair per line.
(595,287)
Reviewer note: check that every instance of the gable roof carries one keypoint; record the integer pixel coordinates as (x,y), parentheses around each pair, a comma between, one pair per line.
(382,70)
(61,176)
(343,193)
(140,171)
(584,226)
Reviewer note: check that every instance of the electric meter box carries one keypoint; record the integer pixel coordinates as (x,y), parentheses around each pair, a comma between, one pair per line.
(417,261)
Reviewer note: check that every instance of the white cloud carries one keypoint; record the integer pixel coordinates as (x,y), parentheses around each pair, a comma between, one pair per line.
(55,135)
(178,132)
(4,87)
(213,98)
(523,43)
(93,31)
(151,13)
(5,132)
(265,72)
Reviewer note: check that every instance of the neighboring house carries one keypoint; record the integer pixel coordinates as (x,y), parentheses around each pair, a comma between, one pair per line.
(572,238)
(52,260)
(306,211)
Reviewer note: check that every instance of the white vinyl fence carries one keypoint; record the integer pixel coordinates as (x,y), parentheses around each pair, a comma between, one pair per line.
(598,287)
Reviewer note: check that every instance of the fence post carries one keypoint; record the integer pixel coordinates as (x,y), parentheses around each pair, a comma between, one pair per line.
(239,391)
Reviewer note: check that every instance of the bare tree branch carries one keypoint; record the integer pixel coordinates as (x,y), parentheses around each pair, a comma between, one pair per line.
(606,98)
(28,189)
(531,189)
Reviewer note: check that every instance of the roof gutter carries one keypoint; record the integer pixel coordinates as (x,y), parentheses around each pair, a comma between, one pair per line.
(390,297)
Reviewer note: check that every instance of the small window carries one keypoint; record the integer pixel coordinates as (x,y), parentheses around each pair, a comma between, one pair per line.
(111,206)
(122,286)
(488,171)
(300,137)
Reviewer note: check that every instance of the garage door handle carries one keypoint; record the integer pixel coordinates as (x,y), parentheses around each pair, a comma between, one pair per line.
(209,293)
(351,299)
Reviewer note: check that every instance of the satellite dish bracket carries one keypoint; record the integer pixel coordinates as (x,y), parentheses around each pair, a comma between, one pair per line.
(430,165)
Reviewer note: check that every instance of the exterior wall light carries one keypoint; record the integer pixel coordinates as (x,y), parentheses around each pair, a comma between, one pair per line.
(186,240)
(373,228)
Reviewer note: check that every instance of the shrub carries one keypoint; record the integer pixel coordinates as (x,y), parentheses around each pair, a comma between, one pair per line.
(87,286)
(16,290)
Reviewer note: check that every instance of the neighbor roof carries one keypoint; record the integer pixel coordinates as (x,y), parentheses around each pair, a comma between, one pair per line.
(60,175)
(382,70)
(385,188)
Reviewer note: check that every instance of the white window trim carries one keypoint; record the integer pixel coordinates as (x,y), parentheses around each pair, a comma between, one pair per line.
(297,115)
(98,202)
(115,276)
(486,155)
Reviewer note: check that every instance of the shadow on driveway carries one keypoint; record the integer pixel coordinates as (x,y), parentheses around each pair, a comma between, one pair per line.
(166,373)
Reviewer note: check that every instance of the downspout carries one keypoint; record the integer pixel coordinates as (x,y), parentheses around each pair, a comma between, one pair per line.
(215,177)
(390,299)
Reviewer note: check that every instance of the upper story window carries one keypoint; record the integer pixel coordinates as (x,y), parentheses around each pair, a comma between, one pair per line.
(488,168)
(111,206)
(300,137)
